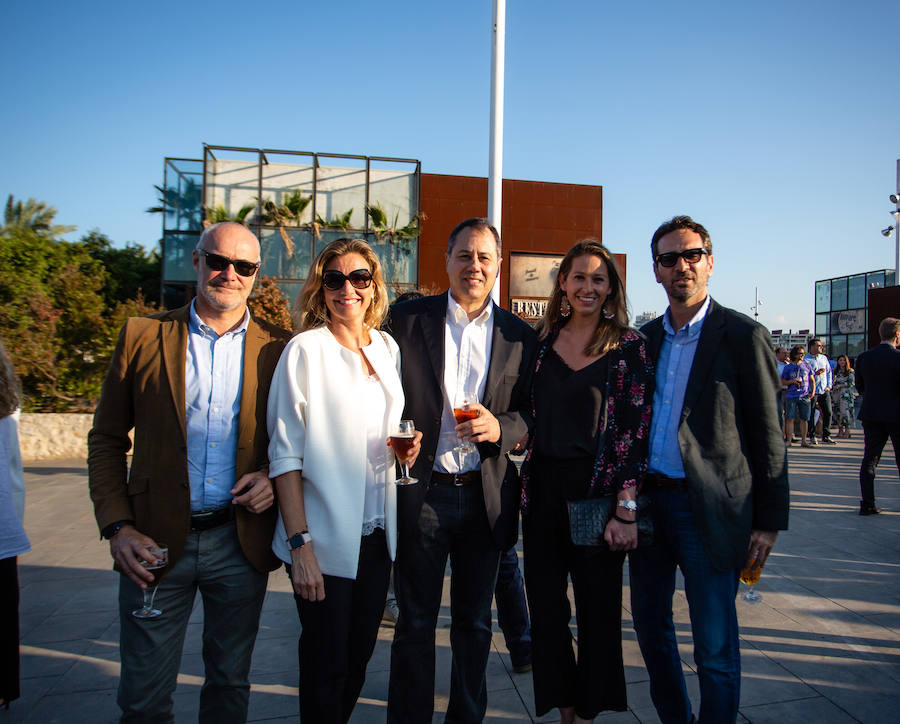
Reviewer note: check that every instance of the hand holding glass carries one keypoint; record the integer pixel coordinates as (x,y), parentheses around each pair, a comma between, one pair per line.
(162,560)
(402,441)
(750,576)
(462,413)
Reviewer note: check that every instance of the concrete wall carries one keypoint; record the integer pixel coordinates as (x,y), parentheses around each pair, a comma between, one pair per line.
(53,436)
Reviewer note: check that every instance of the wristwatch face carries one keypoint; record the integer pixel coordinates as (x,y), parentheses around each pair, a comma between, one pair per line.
(628,504)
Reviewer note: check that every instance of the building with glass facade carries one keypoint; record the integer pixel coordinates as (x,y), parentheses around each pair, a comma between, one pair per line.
(842,310)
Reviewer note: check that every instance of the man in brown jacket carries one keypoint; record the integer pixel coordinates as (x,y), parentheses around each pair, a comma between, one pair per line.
(192,384)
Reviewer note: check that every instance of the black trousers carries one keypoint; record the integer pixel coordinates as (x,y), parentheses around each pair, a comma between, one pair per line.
(596,680)
(876,436)
(9,629)
(339,634)
(824,401)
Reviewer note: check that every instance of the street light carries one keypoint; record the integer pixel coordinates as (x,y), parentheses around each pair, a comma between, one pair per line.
(895,200)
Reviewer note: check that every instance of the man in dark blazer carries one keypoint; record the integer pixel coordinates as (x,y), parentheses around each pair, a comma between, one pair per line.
(717,476)
(878,380)
(465,506)
(192,384)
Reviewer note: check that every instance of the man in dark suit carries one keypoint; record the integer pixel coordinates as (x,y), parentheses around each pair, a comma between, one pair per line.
(454,346)
(878,380)
(717,476)
(192,384)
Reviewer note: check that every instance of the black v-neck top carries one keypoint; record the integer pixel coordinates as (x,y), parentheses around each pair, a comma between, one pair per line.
(568,405)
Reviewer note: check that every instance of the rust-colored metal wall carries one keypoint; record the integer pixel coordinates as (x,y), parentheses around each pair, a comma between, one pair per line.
(538,217)
(882,303)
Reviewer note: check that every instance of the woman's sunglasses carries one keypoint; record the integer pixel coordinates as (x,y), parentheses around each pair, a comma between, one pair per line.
(333,280)
(217,262)
(670,258)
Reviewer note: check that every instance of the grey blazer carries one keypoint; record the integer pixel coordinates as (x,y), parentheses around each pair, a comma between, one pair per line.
(734,456)
(418,327)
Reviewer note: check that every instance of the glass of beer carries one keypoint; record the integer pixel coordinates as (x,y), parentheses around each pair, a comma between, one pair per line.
(402,441)
(147,610)
(750,576)
(462,413)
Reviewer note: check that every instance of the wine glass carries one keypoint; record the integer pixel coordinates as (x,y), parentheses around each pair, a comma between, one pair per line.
(402,440)
(750,576)
(147,610)
(461,413)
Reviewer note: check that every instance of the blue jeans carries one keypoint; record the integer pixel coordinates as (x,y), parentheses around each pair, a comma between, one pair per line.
(453,522)
(233,593)
(512,611)
(710,595)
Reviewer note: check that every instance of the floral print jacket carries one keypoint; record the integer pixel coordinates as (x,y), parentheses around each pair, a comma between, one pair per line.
(624,443)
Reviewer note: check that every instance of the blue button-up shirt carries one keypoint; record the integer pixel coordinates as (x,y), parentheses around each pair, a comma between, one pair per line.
(213,373)
(676,355)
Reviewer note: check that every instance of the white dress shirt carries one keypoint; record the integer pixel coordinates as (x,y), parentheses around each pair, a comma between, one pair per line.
(467,356)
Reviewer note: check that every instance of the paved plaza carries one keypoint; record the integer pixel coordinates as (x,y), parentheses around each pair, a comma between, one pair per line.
(823,647)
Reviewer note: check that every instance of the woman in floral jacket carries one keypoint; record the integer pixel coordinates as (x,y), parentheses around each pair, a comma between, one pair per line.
(591,396)
(845,387)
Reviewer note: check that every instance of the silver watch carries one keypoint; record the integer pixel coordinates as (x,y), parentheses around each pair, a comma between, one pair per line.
(628,505)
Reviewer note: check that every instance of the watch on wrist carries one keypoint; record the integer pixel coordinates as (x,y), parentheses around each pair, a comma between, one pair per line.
(628,505)
(113,528)
(298,540)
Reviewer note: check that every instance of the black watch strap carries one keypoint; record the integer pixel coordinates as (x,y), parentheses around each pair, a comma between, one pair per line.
(113,528)
(298,540)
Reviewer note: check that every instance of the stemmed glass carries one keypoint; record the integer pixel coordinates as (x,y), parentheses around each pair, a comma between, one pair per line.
(402,440)
(461,413)
(161,556)
(750,576)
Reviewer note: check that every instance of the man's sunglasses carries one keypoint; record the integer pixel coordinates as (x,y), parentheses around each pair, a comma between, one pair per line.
(217,262)
(670,258)
(333,280)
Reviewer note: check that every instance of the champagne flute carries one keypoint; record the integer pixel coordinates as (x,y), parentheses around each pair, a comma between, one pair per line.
(461,413)
(402,440)
(147,610)
(750,576)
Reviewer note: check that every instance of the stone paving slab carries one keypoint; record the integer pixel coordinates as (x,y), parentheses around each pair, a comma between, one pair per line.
(823,646)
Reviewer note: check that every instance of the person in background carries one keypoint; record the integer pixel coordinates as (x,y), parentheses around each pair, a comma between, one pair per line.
(822,393)
(13,541)
(781,357)
(845,388)
(797,377)
(878,381)
(335,400)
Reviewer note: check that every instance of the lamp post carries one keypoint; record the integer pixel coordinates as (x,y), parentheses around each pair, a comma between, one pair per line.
(895,197)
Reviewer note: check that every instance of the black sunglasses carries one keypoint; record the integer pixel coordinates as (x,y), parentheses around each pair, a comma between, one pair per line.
(333,280)
(217,262)
(670,258)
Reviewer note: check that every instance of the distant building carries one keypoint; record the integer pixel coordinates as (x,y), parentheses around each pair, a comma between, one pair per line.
(842,310)
(789,338)
(644,317)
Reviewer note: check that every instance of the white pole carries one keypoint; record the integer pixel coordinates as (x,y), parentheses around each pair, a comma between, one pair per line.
(495,169)
(897,231)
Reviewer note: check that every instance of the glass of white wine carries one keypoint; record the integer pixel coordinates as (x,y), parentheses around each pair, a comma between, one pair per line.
(161,556)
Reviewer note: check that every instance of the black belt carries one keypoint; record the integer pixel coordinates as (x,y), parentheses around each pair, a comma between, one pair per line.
(206,519)
(664,482)
(473,477)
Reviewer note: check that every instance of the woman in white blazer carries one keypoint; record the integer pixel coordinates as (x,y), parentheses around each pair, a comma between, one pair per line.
(334,400)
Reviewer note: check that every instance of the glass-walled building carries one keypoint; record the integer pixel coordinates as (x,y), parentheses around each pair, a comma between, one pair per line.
(296,203)
(842,310)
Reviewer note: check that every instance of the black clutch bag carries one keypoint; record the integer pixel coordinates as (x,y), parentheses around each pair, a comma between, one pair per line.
(588,519)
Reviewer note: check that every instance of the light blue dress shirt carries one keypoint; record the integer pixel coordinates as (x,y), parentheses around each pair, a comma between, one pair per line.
(676,356)
(213,374)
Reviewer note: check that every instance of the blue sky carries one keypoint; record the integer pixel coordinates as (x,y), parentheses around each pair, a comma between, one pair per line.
(775,123)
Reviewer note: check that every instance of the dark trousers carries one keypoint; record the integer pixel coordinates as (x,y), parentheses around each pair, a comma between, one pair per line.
(9,629)
(338,635)
(512,610)
(232,591)
(453,522)
(876,436)
(596,680)
(824,401)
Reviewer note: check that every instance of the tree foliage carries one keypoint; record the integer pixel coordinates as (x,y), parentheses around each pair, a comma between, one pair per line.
(270,303)
(61,304)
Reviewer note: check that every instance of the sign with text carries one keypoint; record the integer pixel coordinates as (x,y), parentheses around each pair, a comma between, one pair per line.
(532,275)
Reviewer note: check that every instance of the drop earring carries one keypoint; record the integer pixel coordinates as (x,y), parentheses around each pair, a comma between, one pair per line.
(606,313)
(565,309)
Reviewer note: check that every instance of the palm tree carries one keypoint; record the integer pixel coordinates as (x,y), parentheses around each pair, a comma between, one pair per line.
(389,231)
(220,213)
(181,202)
(338,222)
(32,215)
(287,213)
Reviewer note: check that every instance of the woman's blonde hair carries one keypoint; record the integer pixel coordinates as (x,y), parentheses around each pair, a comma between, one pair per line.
(310,309)
(9,385)
(614,317)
